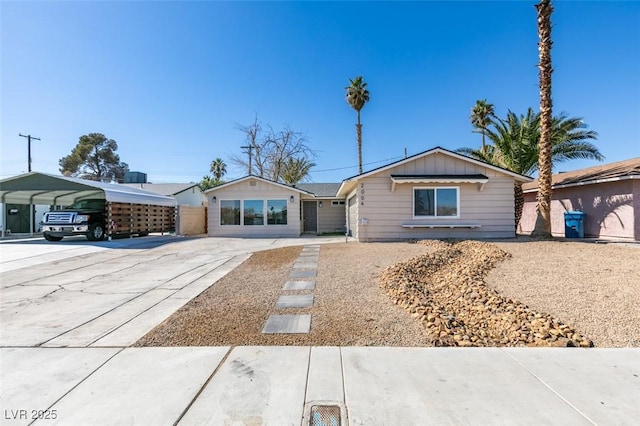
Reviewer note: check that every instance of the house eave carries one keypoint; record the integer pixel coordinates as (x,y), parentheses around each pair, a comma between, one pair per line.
(589,182)
(481,180)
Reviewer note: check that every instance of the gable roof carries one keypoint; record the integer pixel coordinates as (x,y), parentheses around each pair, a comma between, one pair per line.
(42,188)
(163,188)
(322,190)
(248,177)
(436,150)
(621,170)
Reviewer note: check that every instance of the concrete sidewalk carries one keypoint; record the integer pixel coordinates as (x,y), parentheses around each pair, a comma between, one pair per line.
(277,385)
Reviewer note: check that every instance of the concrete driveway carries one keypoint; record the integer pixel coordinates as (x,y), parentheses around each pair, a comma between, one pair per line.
(76,293)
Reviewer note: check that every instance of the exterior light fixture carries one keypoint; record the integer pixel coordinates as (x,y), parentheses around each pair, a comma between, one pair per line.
(292,199)
(320,204)
(213,199)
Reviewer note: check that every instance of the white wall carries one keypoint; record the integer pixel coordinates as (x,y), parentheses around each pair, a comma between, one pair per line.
(191,197)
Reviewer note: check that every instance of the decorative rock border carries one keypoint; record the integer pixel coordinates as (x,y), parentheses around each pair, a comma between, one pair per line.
(445,290)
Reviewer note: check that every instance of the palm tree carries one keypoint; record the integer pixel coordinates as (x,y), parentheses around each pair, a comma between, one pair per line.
(543,224)
(357,96)
(296,170)
(218,168)
(481,115)
(206,183)
(515,145)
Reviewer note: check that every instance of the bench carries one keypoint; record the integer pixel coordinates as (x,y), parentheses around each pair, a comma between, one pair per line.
(441,225)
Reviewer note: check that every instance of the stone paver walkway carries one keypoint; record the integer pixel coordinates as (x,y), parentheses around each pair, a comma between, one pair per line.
(301,278)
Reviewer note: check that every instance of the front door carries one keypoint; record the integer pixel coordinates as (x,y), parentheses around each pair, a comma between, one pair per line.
(310,217)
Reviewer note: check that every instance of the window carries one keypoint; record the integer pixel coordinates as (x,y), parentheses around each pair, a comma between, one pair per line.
(253,212)
(230,212)
(276,212)
(337,203)
(435,202)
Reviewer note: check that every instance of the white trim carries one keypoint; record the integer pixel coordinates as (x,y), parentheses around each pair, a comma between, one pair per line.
(435,199)
(400,180)
(441,225)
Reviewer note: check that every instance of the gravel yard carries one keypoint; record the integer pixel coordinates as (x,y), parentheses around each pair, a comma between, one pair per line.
(594,288)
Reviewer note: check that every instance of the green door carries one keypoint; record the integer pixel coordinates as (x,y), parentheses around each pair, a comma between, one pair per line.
(17,218)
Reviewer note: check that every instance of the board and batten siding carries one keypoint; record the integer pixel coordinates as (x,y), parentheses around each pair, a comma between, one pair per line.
(384,211)
(331,218)
(260,191)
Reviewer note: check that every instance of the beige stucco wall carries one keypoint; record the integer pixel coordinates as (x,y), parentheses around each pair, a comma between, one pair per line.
(385,211)
(243,190)
(191,220)
(608,207)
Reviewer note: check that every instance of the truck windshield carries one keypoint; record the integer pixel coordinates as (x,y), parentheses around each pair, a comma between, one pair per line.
(88,204)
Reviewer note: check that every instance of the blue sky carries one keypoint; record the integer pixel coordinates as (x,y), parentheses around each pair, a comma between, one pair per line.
(171,81)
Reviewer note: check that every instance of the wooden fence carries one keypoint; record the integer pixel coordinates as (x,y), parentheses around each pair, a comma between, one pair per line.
(127,218)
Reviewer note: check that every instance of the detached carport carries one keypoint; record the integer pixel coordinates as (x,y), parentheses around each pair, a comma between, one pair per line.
(41,188)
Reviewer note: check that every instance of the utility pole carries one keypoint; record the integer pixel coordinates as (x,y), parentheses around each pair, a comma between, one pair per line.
(32,211)
(29,137)
(248,147)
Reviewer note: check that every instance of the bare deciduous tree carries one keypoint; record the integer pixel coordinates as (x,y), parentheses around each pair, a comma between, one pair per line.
(269,151)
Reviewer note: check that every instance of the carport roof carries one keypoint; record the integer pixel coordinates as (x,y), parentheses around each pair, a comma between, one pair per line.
(41,188)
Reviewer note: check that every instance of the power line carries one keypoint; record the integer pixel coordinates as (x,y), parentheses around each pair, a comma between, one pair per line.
(29,137)
(353,167)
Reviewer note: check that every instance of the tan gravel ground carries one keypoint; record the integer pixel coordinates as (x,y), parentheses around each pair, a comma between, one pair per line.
(593,287)
(349,308)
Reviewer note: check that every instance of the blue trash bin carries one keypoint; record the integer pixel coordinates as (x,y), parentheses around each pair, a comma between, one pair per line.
(574,224)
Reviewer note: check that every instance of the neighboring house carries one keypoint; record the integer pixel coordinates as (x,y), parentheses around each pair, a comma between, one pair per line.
(434,194)
(187,194)
(254,206)
(608,195)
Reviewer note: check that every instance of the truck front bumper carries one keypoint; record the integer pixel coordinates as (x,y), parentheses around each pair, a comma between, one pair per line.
(65,230)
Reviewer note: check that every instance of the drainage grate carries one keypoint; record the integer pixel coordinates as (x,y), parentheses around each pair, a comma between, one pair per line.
(325,415)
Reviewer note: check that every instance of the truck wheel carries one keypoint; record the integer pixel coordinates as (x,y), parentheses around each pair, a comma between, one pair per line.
(96,232)
(49,237)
